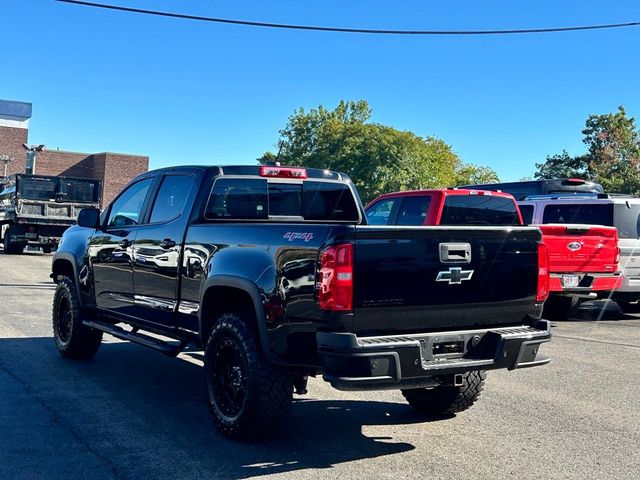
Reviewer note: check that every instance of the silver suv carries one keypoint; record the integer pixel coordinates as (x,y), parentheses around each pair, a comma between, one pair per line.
(620,211)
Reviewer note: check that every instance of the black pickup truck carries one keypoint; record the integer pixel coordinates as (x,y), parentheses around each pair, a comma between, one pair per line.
(274,272)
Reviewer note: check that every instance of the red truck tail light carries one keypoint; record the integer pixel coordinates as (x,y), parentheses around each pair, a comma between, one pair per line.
(335,278)
(543,273)
(283,172)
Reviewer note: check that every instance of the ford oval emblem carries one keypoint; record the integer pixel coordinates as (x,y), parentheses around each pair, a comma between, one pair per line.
(574,246)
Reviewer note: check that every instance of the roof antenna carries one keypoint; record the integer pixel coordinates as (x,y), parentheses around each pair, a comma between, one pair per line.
(277,161)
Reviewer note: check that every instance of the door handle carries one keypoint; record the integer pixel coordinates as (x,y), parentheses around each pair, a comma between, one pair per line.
(455,252)
(125,243)
(167,243)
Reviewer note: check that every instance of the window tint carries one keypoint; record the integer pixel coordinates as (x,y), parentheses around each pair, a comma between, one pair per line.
(627,219)
(479,210)
(380,212)
(237,198)
(171,197)
(527,214)
(413,210)
(285,199)
(328,201)
(127,208)
(591,214)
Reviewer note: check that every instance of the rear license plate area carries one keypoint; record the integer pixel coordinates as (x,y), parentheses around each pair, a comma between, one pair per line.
(569,281)
(448,348)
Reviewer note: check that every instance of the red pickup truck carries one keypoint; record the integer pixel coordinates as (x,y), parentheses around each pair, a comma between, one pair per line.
(583,258)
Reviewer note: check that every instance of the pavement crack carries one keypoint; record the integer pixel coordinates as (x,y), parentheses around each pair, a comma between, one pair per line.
(58,420)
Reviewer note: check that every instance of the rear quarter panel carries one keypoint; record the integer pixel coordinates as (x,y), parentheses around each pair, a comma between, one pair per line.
(279,259)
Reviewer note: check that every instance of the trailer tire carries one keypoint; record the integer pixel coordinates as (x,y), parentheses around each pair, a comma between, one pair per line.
(446,400)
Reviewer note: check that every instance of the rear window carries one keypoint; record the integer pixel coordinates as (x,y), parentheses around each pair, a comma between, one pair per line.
(627,219)
(590,214)
(257,199)
(236,198)
(479,210)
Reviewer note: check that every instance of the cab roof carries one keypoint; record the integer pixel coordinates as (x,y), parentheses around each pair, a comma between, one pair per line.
(445,192)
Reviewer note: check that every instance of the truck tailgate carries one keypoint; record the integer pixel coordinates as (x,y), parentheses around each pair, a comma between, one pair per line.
(581,248)
(426,278)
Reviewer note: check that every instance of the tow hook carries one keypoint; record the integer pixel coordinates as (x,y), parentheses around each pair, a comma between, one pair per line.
(458,380)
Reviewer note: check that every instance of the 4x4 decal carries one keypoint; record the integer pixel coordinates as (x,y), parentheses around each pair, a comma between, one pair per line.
(291,236)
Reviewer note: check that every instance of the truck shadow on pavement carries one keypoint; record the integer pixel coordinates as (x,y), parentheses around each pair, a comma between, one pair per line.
(148,416)
(601,310)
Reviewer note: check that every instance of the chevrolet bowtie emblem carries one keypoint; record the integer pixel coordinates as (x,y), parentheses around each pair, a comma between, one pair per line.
(454,276)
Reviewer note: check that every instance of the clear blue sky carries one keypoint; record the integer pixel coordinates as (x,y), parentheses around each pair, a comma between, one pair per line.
(190,92)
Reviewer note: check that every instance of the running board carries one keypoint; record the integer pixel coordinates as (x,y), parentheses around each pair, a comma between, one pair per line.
(139,338)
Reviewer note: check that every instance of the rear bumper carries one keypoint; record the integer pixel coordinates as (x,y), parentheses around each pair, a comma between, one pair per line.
(588,283)
(410,361)
(630,285)
(35,240)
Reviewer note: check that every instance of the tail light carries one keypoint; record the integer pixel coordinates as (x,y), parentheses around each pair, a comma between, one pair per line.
(543,273)
(335,278)
(283,172)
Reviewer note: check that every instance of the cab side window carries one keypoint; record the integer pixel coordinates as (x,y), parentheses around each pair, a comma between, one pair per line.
(380,213)
(413,210)
(127,208)
(171,197)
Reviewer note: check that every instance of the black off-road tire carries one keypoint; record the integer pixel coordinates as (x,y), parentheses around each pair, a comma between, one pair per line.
(559,308)
(446,400)
(72,338)
(248,396)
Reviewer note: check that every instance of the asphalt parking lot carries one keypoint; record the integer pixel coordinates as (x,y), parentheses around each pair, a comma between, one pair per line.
(133,413)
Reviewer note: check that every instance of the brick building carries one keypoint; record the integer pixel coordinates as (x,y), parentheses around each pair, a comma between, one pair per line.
(114,170)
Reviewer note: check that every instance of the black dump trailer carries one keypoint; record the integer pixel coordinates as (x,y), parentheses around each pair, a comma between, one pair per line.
(35,210)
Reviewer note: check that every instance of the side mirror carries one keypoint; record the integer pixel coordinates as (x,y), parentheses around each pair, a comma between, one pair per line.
(89,217)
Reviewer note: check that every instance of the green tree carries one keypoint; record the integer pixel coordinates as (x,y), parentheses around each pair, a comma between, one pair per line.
(613,151)
(377,157)
(612,158)
(564,166)
(469,174)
